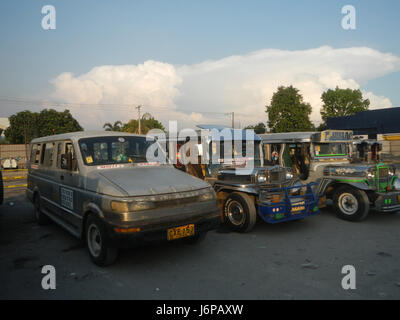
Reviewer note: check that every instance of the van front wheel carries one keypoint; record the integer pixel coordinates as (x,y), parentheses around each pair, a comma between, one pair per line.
(101,251)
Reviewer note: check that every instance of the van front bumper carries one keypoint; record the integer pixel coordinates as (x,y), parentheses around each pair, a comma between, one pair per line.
(153,226)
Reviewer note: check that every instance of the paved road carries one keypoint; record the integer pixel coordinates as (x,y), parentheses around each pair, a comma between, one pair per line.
(295,260)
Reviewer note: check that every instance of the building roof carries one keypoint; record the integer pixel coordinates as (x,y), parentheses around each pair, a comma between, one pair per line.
(378,121)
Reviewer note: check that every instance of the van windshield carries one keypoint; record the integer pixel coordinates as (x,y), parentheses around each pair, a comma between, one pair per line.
(114,150)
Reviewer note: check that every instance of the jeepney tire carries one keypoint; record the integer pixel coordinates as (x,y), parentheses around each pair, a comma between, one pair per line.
(196,239)
(40,217)
(243,202)
(107,253)
(363,204)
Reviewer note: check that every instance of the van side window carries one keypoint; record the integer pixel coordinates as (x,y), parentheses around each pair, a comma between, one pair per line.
(35,153)
(47,154)
(67,153)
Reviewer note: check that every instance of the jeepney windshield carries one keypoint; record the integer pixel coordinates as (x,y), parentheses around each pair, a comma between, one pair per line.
(218,150)
(114,150)
(330,149)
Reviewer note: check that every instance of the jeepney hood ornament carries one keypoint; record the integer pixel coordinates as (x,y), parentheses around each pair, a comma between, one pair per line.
(142,181)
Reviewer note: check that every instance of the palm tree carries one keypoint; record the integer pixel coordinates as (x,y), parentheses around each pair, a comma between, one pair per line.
(116,127)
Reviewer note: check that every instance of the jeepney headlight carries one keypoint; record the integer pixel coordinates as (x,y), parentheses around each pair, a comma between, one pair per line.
(128,206)
(261,178)
(396,184)
(370,175)
(391,172)
(289,176)
(207,196)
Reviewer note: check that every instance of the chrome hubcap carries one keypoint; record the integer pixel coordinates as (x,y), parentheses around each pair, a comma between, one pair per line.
(94,240)
(235,213)
(348,203)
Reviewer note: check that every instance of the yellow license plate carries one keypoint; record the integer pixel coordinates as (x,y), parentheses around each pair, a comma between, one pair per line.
(297,209)
(181,232)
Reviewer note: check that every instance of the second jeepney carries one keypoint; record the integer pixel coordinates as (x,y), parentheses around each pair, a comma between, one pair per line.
(325,157)
(244,192)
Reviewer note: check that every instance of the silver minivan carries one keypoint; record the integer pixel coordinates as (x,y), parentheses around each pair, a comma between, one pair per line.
(101,188)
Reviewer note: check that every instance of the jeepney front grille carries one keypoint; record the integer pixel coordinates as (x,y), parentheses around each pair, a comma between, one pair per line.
(277,176)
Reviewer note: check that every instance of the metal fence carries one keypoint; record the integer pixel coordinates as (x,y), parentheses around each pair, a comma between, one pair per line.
(14,151)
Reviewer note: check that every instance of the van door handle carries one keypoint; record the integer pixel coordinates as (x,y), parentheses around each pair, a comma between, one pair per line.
(62,177)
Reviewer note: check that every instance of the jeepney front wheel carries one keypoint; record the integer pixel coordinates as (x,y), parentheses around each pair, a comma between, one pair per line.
(239,212)
(351,204)
(101,251)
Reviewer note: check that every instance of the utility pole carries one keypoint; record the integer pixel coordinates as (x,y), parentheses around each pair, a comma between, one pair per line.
(139,107)
(232,114)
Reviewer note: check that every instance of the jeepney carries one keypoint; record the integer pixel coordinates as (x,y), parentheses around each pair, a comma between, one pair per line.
(101,187)
(246,191)
(325,157)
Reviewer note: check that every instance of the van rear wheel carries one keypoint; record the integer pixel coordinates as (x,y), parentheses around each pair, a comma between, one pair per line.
(40,217)
(351,204)
(239,212)
(100,249)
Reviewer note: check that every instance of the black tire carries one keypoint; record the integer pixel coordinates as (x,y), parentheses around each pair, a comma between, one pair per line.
(239,212)
(1,188)
(196,239)
(351,204)
(40,217)
(98,243)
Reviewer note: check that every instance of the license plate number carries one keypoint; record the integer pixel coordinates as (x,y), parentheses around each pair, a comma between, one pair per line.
(298,208)
(181,232)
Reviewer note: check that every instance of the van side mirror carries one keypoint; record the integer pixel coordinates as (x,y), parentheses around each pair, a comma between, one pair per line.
(66,161)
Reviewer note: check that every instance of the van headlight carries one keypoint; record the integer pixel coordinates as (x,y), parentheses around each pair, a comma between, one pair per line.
(396,184)
(207,196)
(128,206)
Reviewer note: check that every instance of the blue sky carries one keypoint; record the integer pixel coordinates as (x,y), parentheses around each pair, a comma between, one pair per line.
(94,33)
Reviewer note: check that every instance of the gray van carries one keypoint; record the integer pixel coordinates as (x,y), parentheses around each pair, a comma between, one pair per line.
(100,187)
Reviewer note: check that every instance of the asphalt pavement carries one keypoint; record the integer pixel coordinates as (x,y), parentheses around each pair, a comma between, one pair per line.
(292,260)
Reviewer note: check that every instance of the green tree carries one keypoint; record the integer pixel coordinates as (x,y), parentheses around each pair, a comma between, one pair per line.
(146,124)
(27,125)
(342,102)
(23,127)
(288,112)
(117,126)
(52,122)
(258,128)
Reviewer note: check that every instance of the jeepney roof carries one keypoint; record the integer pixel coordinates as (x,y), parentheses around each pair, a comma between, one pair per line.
(215,133)
(367,141)
(74,136)
(287,137)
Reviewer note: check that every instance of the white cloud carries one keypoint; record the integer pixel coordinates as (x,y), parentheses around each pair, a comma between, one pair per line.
(192,94)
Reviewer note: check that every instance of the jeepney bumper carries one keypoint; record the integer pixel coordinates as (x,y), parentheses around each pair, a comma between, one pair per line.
(291,207)
(154,225)
(388,202)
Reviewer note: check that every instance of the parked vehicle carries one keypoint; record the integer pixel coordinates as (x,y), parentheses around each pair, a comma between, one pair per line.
(325,157)
(271,192)
(100,187)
